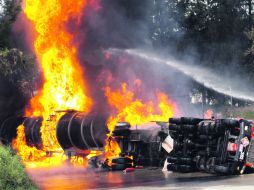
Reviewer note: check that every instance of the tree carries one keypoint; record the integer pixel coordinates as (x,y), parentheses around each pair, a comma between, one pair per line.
(18,69)
(250,51)
(214,29)
(18,73)
(8,14)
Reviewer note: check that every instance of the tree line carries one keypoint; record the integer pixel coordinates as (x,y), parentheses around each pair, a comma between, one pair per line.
(18,70)
(220,32)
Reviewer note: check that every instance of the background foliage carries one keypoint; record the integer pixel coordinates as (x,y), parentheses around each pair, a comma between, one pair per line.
(12,174)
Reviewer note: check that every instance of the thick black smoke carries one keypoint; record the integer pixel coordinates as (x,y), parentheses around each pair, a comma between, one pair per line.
(122,24)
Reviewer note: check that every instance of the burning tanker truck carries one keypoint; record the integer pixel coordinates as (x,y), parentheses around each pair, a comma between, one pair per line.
(187,144)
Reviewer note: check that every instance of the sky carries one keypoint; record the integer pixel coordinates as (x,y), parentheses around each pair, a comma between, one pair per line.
(1,7)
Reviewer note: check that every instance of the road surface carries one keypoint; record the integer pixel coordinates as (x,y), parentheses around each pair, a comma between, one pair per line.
(150,178)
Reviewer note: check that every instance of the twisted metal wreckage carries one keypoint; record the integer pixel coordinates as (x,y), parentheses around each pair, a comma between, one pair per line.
(187,144)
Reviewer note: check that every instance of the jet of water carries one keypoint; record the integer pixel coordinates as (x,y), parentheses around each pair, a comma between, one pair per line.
(201,75)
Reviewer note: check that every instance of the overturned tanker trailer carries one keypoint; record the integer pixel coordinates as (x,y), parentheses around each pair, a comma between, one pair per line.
(74,131)
(78,133)
(8,128)
(209,145)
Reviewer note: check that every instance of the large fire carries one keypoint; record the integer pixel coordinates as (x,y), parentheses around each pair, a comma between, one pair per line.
(63,86)
(129,108)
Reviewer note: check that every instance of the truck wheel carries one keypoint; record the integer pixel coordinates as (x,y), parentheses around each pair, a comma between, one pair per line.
(175,120)
(115,167)
(186,160)
(121,160)
(174,127)
(190,120)
(189,128)
(221,169)
(229,122)
(172,159)
(173,167)
(186,168)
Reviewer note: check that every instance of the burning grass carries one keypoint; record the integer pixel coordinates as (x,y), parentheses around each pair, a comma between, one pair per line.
(12,172)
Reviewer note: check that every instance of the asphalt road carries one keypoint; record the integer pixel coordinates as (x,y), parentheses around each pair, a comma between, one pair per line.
(150,178)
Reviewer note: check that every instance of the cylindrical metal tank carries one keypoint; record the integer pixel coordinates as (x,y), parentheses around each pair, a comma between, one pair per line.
(32,131)
(8,128)
(82,131)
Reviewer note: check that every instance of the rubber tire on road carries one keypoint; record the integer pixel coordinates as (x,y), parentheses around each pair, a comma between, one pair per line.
(115,167)
(186,160)
(186,168)
(221,169)
(172,159)
(173,167)
(121,160)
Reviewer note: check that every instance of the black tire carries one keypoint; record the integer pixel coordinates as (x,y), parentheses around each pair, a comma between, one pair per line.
(173,167)
(173,159)
(115,167)
(221,169)
(121,160)
(178,146)
(190,120)
(175,120)
(174,127)
(186,160)
(8,129)
(186,168)
(180,168)
(189,128)
(203,137)
(229,122)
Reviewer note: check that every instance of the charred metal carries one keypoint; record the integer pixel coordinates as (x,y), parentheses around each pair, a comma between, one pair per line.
(209,145)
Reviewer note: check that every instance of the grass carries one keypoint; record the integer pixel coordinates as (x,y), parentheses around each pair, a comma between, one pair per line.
(243,112)
(12,172)
(247,115)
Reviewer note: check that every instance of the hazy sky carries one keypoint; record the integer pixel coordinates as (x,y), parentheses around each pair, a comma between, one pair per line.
(1,8)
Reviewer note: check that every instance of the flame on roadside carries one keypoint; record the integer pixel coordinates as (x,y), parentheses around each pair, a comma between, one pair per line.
(208,114)
(63,87)
(129,108)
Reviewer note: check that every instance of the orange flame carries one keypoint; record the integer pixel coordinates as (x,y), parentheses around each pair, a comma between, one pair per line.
(63,86)
(112,149)
(208,114)
(31,156)
(135,111)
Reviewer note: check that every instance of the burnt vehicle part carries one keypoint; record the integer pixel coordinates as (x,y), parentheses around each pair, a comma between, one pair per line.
(81,131)
(142,143)
(8,128)
(213,146)
(32,127)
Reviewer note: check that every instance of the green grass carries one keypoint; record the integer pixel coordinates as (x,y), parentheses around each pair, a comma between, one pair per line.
(247,115)
(12,172)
